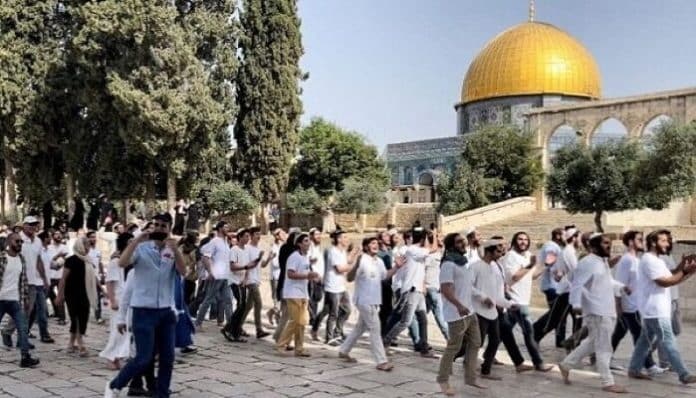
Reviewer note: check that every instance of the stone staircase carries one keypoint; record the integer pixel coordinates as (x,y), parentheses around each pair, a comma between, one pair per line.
(538,224)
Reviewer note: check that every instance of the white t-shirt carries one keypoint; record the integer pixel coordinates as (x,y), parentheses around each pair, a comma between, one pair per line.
(335,282)
(656,300)
(368,280)
(627,274)
(275,263)
(51,252)
(460,276)
(240,258)
(432,270)
(296,288)
(114,273)
(46,260)
(487,282)
(9,291)
(398,277)
(254,274)
(520,291)
(414,269)
(565,264)
(31,250)
(95,257)
(671,264)
(318,266)
(219,253)
(472,255)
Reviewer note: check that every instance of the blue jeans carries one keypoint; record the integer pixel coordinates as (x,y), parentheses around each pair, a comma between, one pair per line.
(40,312)
(658,331)
(521,317)
(15,311)
(151,328)
(433,302)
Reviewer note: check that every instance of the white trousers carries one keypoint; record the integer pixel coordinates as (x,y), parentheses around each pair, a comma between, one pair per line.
(598,341)
(368,320)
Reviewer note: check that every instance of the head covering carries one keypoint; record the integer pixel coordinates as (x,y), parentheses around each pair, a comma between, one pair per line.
(80,251)
(595,235)
(569,233)
(393,231)
(30,220)
(294,230)
(471,230)
(313,230)
(492,242)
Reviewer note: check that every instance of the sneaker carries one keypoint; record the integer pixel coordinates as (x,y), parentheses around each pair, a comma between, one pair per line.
(188,350)
(656,370)
(690,379)
(615,366)
(47,340)
(28,362)
(334,343)
(261,334)
(315,335)
(111,392)
(31,335)
(7,340)
(138,392)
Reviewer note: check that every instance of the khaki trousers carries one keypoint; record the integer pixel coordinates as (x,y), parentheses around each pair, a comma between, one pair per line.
(298,318)
(463,331)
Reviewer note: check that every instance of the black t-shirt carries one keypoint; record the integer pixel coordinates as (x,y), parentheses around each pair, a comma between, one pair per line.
(75,289)
(285,252)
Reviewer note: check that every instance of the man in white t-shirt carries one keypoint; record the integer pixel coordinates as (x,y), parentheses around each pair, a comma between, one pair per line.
(654,281)
(518,266)
(95,258)
(676,312)
(592,292)
(316,288)
(473,248)
(627,274)
(279,237)
(240,264)
(37,278)
(55,254)
(336,298)
(253,280)
(413,293)
(216,260)
(562,271)
(14,294)
(368,273)
(456,288)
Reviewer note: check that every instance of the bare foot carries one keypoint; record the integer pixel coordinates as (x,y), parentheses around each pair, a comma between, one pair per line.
(524,368)
(565,372)
(615,389)
(447,390)
(477,385)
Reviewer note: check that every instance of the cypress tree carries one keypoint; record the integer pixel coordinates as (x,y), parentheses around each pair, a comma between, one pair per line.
(268,91)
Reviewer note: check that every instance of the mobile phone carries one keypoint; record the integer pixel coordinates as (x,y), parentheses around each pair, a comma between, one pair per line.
(260,256)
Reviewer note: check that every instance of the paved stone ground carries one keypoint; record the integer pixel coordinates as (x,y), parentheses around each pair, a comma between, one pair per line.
(221,369)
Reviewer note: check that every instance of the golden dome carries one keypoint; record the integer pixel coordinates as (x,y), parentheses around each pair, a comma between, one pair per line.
(532,58)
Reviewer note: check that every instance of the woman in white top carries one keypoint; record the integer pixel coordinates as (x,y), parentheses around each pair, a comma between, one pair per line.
(118,346)
(368,273)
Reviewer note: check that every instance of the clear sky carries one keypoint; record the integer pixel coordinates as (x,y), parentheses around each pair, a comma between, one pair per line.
(392,69)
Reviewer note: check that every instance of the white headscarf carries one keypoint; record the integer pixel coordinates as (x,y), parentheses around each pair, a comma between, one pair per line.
(80,251)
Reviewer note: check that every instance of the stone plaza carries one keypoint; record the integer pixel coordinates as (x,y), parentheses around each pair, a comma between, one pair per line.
(222,369)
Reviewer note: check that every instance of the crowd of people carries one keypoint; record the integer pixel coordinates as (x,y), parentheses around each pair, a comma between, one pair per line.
(161,288)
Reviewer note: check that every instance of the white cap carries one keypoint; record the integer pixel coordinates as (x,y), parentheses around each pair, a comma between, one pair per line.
(569,233)
(595,235)
(470,230)
(492,242)
(392,231)
(31,220)
(294,229)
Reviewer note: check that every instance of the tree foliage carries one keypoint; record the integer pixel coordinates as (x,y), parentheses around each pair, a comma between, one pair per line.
(464,189)
(230,198)
(328,155)
(504,153)
(304,201)
(267,125)
(361,195)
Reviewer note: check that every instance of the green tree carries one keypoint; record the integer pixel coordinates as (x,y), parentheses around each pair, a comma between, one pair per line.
(598,179)
(304,201)
(464,189)
(328,155)
(230,198)
(505,153)
(669,170)
(361,195)
(266,129)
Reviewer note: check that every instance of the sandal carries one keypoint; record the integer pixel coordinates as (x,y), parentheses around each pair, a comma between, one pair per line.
(83,352)
(347,358)
(385,367)
(72,349)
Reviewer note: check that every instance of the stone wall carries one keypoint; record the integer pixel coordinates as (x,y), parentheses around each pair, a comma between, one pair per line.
(687,290)
(488,214)
(677,213)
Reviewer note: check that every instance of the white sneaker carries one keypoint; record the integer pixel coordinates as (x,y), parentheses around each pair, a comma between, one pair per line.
(656,370)
(111,392)
(615,366)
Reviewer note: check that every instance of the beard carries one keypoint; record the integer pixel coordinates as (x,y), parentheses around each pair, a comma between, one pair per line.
(158,235)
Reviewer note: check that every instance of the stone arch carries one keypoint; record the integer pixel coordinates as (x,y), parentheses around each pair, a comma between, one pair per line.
(408,175)
(609,129)
(654,123)
(426,179)
(564,134)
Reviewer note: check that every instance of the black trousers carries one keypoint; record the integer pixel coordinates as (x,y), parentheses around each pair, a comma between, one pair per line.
(316,292)
(557,314)
(58,311)
(490,328)
(234,326)
(629,322)
(79,315)
(387,305)
(337,307)
(189,292)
